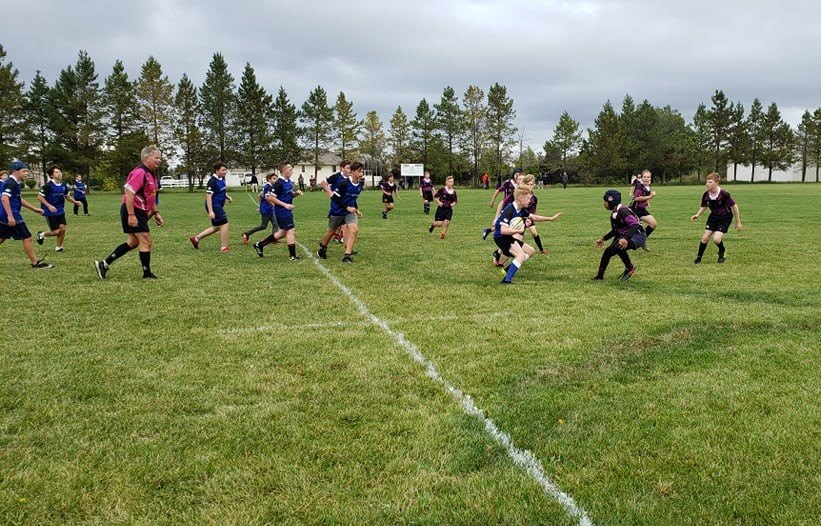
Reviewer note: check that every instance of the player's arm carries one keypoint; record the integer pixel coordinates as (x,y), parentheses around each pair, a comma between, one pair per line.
(700,211)
(493,197)
(538,218)
(209,204)
(737,216)
(7,207)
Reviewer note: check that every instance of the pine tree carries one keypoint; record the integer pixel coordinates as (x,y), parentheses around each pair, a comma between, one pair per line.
(754,135)
(630,129)
(187,133)
(803,143)
(450,124)
(285,129)
(317,120)
(346,125)
(11,109)
(738,143)
(423,130)
(605,145)
(777,137)
(37,115)
(500,117)
(702,137)
(475,115)
(125,133)
(399,135)
(719,118)
(218,106)
(815,141)
(254,115)
(567,138)
(155,95)
(372,141)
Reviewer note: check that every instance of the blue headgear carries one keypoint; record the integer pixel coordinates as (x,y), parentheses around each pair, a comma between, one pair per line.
(613,198)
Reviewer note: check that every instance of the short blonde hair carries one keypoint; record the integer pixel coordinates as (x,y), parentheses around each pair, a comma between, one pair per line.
(714,177)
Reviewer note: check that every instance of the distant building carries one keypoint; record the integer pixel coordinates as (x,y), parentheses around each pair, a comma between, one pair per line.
(791,174)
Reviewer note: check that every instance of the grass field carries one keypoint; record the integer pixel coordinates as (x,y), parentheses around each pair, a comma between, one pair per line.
(239,390)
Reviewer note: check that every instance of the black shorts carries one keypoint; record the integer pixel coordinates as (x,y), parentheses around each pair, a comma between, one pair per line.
(641,212)
(54,222)
(444,213)
(505,242)
(219,217)
(386,198)
(719,223)
(142,221)
(427,196)
(17,232)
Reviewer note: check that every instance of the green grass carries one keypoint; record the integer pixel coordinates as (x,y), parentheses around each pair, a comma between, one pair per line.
(240,390)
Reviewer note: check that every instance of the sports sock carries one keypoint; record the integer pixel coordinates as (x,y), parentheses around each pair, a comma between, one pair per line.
(538,241)
(431,228)
(119,252)
(267,241)
(701,248)
(511,270)
(649,230)
(292,250)
(145,261)
(720,249)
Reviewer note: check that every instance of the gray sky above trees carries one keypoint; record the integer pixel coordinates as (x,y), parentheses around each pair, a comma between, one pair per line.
(551,55)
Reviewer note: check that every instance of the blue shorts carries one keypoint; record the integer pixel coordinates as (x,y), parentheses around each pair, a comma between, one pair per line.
(285,221)
(17,232)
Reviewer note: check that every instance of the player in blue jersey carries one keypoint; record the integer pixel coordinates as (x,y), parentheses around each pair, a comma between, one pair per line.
(216,194)
(389,188)
(12,224)
(722,207)
(344,213)
(426,190)
(52,199)
(329,184)
(283,194)
(80,192)
(266,209)
(446,200)
(506,189)
(625,231)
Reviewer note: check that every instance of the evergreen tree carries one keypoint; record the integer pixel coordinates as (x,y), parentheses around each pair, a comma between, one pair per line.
(738,143)
(567,138)
(78,118)
(372,142)
(423,130)
(450,124)
(155,94)
(500,117)
(629,133)
(702,137)
(719,118)
(11,109)
(125,136)
(776,151)
(37,115)
(647,141)
(285,129)
(254,113)
(675,144)
(605,146)
(317,120)
(803,143)
(218,106)
(475,115)
(399,136)
(815,142)
(754,135)
(347,126)
(187,133)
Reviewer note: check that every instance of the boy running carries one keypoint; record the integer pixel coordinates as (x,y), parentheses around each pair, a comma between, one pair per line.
(722,207)
(344,213)
(426,190)
(389,188)
(283,193)
(266,209)
(52,199)
(445,200)
(626,232)
(216,194)
(509,238)
(642,194)
(12,224)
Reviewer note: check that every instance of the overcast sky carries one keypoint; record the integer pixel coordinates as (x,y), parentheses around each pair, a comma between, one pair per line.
(551,55)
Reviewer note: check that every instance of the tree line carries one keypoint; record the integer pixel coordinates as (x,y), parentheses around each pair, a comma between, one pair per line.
(97,129)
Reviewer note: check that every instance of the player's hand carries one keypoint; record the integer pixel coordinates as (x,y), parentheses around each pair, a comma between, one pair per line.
(229,198)
(132,220)
(556,216)
(693,218)
(599,243)
(358,213)
(52,209)
(158,218)
(490,204)
(12,222)
(289,206)
(738,226)
(211,215)
(622,243)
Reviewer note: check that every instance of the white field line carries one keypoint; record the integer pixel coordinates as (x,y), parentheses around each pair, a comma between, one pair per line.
(521,457)
(333,324)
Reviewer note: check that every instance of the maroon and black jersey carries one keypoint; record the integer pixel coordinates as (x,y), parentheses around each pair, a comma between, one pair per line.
(388,188)
(639,190)
(721,205)
(623,223)
(508,187)
(531,206)
(446,199)
(426,185)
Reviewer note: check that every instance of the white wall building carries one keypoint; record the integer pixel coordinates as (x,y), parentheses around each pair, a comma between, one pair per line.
(791,174)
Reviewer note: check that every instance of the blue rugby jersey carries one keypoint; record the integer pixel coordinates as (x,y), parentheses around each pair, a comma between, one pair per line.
(508,213)
(55,194)
(11,189)
(283,189)
(345,195)
(79,190)
(265,208)
(218,188)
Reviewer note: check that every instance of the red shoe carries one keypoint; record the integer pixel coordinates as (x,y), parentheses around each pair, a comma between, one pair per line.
(244,239)
(543,252)
(442,235)
(193,240)
(225,249)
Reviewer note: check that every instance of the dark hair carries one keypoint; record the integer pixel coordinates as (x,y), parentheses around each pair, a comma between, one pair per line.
(356,166)
(283,164)
(344,163)
(51,169)
(396,172)
(219,165)
(269,175)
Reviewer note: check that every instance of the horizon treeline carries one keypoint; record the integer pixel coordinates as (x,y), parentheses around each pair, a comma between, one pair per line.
(97,127)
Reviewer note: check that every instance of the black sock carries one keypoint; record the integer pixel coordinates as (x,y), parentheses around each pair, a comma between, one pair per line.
(267,241)
(119,252)
(292,250)
(538,241)
(701,248)
(322,247)
(649,230)
(145,260)
(720,249)
(431,228)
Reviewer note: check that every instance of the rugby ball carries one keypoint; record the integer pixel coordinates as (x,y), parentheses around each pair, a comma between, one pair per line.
(517,223)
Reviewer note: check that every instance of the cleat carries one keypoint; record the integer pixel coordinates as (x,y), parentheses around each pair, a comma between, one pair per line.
(293,258)
(697,260)
(384,215)
(194,241)
(101,269)
(58,249)
(645,247)
(442,235)
(40,238)
(721,259)
(430,229)
(347,259)
(42,264)
(598,278)
(322,254)
(258,249)
(485,233)
(506,282)
(225,249)
(150,276)
(245,238)
(543,252)
(628,273)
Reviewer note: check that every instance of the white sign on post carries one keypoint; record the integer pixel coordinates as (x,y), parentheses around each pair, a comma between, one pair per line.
(413,170)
